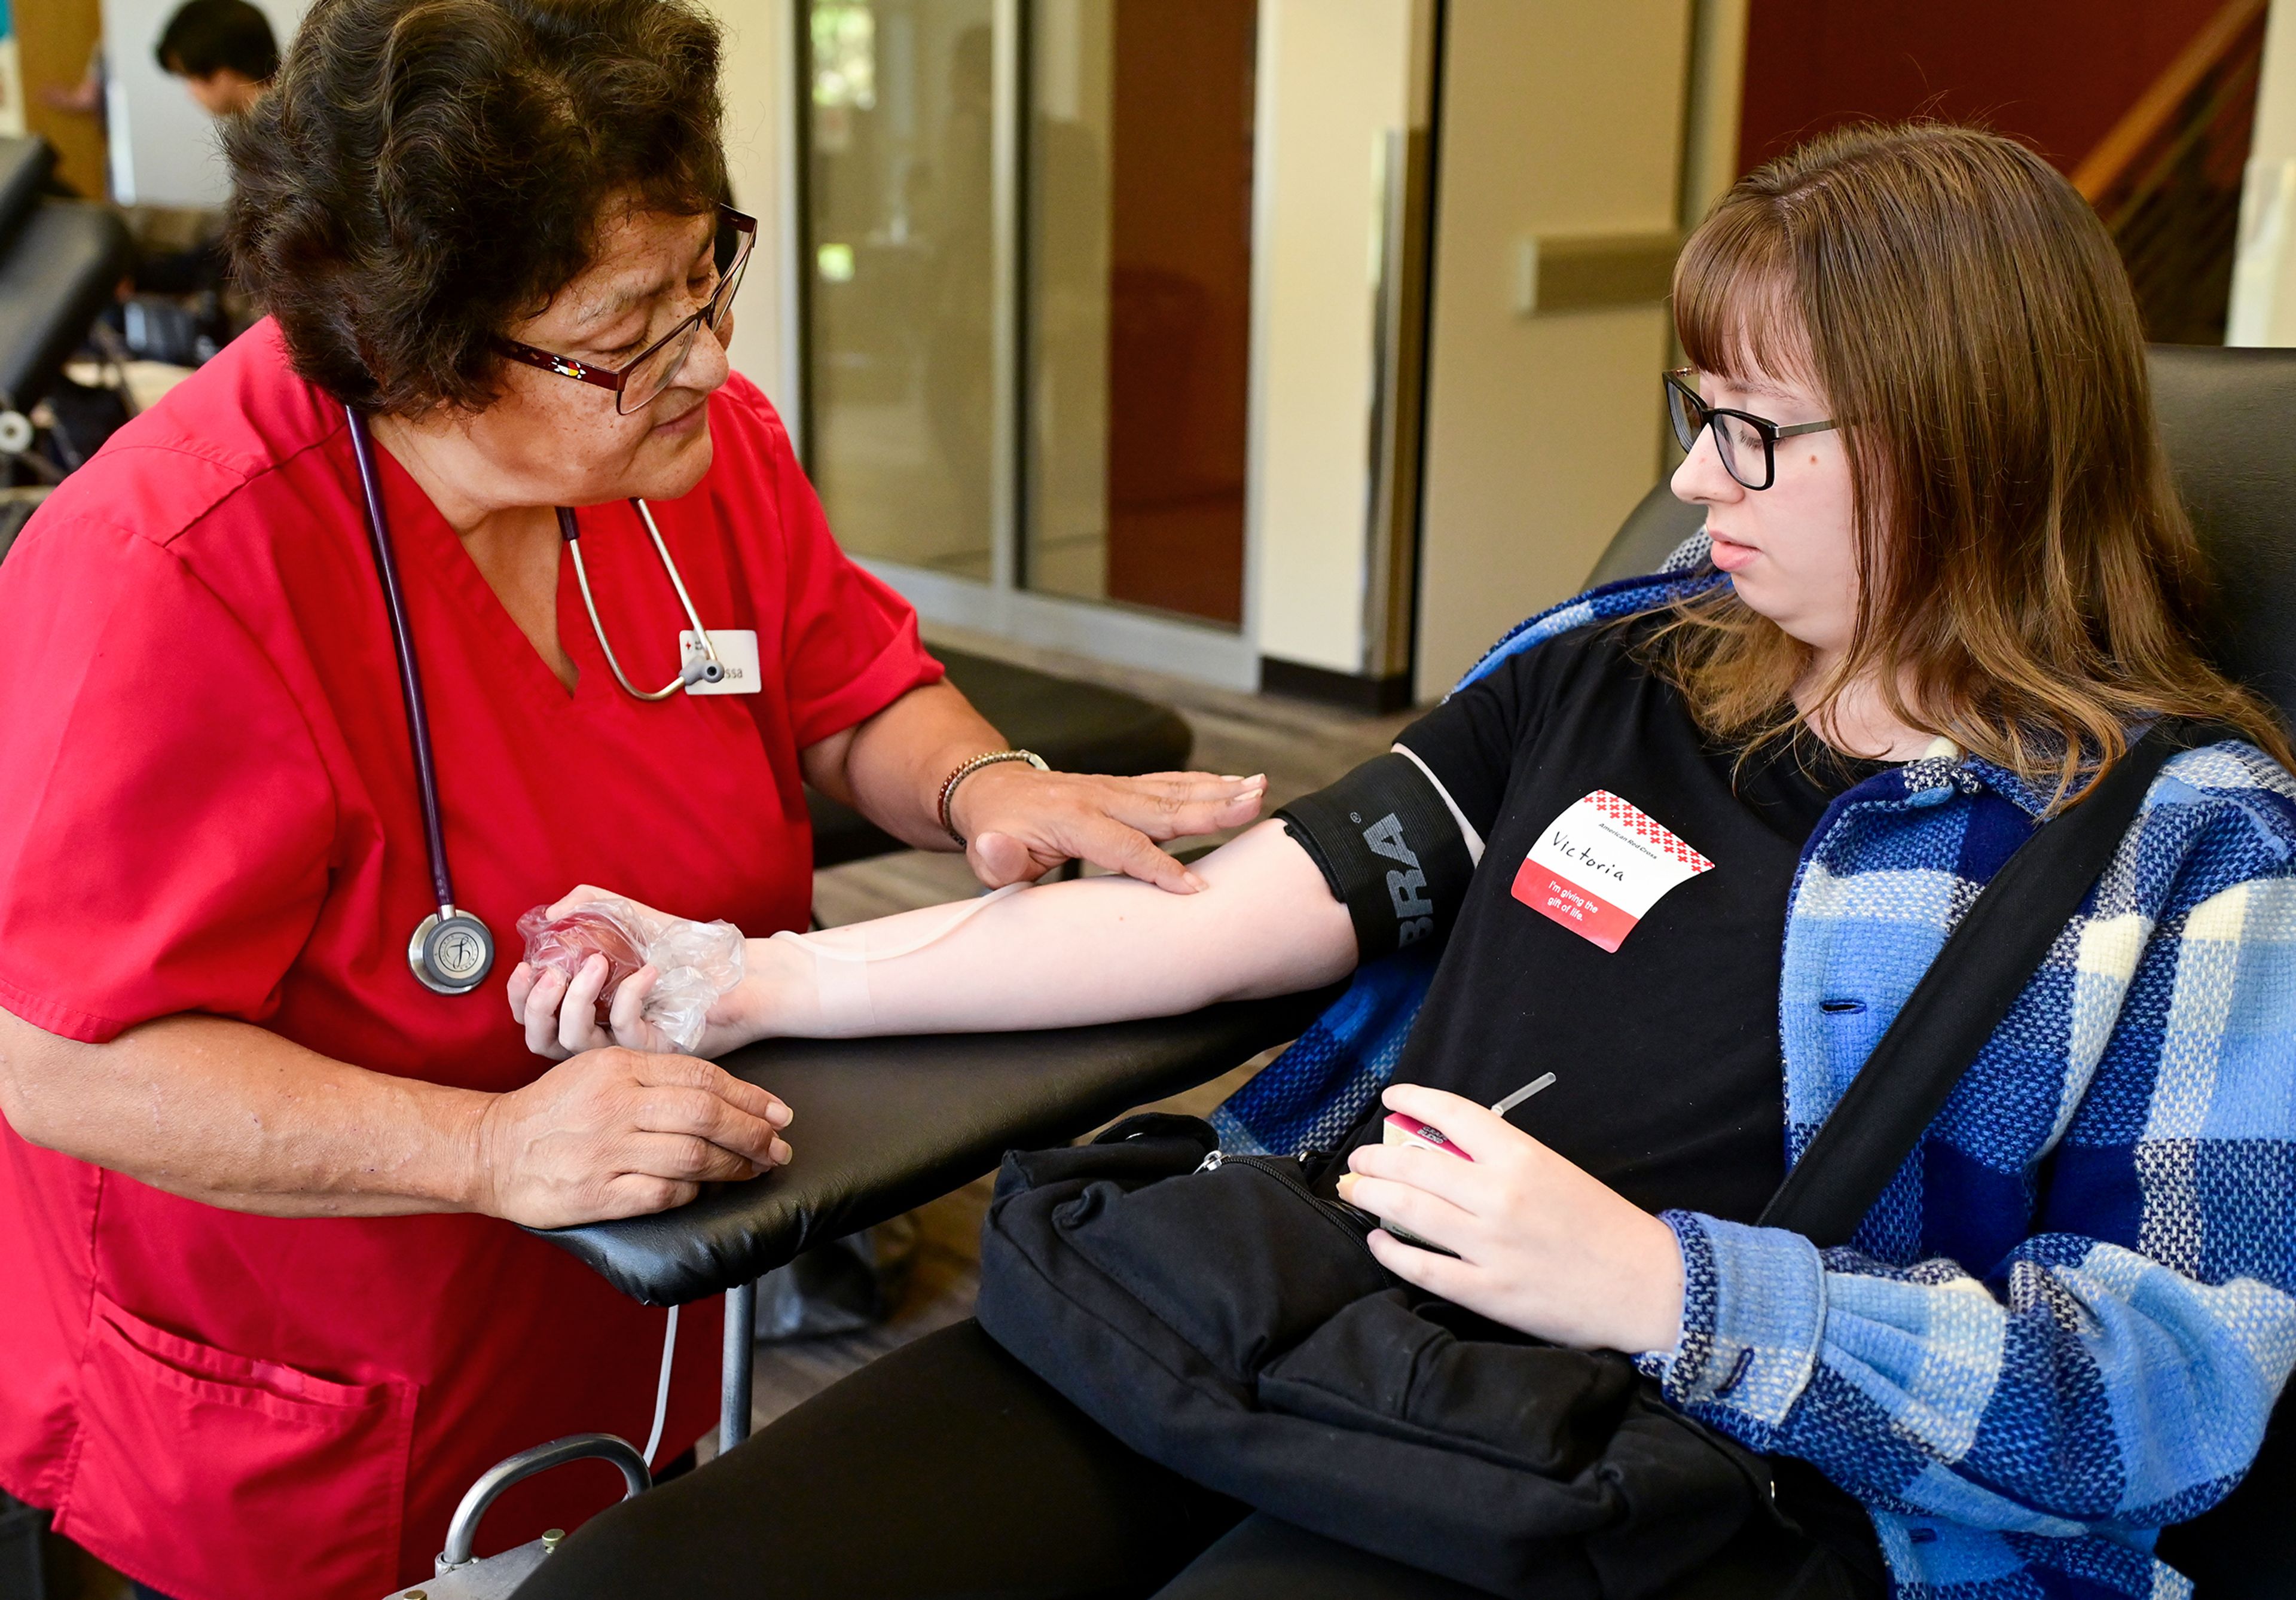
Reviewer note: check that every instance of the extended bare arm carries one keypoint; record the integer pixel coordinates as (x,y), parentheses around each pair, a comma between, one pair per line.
(1060,954)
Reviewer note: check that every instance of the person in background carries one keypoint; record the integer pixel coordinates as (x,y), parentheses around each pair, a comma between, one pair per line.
(223,52)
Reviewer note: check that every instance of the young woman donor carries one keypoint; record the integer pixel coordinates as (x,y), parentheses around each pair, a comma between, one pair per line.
(1943,582)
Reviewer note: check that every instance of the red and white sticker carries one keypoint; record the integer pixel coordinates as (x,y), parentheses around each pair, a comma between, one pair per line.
(1402,1129)
(1599,868)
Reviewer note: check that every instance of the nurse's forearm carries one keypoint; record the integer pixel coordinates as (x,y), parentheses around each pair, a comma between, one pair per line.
(1020,823)
(229,1114)
(892,767)
(1061,955)
(235,1116)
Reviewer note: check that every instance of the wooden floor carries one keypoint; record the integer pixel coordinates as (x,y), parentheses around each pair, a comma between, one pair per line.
(1299,746)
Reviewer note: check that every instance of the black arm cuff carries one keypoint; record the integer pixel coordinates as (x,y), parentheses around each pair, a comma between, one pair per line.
(1391,850)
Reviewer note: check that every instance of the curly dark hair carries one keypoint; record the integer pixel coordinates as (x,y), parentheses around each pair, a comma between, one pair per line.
(424,173)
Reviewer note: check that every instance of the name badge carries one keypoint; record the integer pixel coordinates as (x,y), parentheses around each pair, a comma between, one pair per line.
(1599,868)
(737,653)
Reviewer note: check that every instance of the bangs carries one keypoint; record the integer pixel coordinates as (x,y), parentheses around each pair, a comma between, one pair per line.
(1736,305)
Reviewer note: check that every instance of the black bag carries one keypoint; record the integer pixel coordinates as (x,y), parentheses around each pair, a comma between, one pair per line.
(1219,1318)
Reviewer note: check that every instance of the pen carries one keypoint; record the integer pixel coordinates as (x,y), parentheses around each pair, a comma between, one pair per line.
(1524,1093)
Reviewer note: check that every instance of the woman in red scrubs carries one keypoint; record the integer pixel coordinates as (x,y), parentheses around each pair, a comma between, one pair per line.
(264,1311)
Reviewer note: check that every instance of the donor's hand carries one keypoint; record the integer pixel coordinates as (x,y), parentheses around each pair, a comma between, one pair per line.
(559,1015)
(619,1133)
(1542,1244)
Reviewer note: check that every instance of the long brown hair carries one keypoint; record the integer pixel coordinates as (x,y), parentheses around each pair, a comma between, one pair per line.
(2025,565)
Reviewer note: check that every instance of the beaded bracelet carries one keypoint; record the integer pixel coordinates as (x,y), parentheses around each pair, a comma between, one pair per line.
(948,788)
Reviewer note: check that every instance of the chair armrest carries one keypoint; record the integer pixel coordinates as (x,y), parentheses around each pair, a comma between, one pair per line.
(884,1125)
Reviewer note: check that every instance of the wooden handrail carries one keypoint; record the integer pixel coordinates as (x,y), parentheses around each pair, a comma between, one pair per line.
(2109,163)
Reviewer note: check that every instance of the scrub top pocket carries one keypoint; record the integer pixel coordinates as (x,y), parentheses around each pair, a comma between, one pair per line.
(255,1461)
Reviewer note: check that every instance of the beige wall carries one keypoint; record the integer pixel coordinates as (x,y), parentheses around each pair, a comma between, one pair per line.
(757,83)
(1334,80)
(1560,118)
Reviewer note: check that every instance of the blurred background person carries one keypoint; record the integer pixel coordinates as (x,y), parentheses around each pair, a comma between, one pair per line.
(223,52)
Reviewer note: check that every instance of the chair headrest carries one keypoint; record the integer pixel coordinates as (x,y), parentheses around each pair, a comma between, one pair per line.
(1656,524)
(2226,423)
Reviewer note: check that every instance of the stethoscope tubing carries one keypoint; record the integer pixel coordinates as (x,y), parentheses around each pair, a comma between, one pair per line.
(452,951)
(410,678)
(570,531)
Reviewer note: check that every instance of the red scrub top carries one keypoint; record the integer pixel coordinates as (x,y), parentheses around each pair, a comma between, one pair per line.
(207,804)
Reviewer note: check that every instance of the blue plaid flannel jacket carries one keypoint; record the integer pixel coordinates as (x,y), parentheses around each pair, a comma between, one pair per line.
(2065,1323)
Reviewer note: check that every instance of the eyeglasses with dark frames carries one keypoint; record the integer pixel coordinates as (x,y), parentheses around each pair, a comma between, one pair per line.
(642,381)
(1747,444)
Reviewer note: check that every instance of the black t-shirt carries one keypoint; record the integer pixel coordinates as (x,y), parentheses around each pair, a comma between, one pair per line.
(1668,1078)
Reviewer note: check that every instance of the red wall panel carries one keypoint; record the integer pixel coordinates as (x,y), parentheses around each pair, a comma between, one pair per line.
(2056,73)
(1180,305)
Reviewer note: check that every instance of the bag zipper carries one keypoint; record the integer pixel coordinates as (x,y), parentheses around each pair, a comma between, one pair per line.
(1285,1170)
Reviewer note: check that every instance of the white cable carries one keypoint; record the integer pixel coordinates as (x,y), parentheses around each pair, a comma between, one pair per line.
(842,956)
(661,1389)
(928,925)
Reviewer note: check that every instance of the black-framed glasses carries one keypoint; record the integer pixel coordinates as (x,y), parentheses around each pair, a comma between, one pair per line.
(639,383)
(1747,444)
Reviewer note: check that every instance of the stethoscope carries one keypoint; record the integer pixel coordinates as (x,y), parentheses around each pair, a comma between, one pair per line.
(452,951)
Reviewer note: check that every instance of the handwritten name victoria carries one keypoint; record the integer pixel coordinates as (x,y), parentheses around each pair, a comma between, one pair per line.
(1560,842)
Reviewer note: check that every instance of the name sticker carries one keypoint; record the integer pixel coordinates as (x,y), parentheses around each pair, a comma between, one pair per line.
(1599,868)
(737,653)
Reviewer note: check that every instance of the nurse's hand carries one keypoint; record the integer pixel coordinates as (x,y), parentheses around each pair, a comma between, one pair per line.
(1021,824)
(620,1133)
(1018,823)
(1542,1245)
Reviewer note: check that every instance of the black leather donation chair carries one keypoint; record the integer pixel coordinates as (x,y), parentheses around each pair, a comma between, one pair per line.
(60,263)
(891,1123)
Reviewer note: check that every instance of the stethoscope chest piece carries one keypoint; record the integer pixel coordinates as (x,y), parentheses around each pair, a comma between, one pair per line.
(451,952)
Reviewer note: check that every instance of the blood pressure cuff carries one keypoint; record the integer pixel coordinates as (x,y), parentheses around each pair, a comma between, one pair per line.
(1387,843)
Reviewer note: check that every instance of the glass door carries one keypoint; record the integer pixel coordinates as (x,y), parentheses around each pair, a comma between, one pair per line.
(1058,191)
(900,340)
